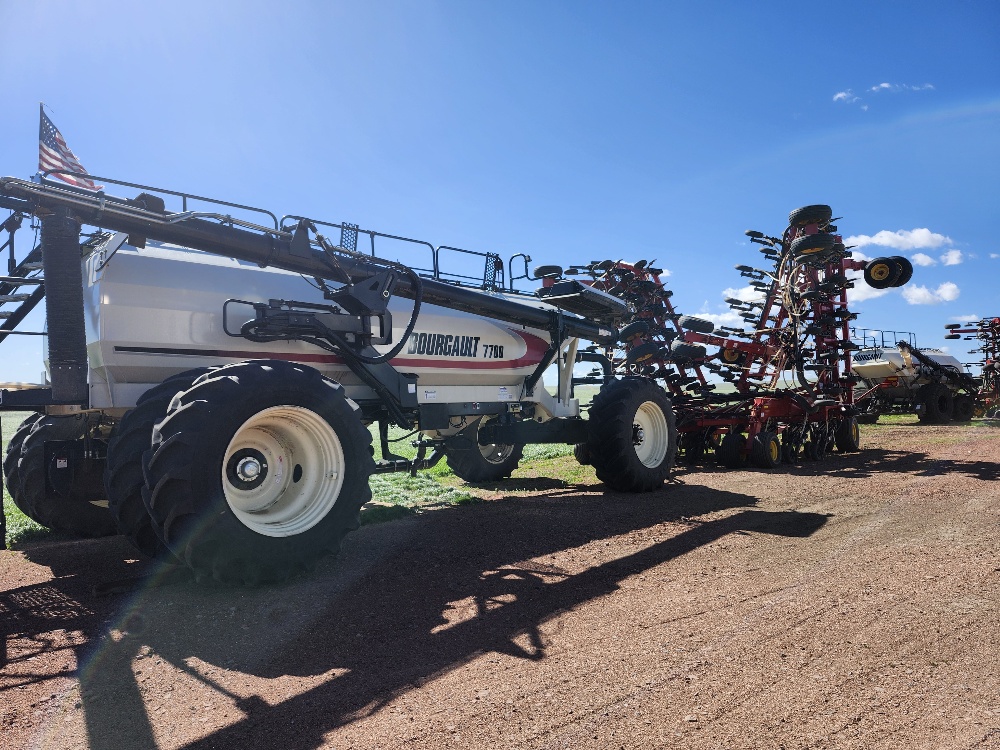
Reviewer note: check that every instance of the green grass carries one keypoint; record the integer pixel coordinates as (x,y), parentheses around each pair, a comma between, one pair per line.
(20,528)
(907,420)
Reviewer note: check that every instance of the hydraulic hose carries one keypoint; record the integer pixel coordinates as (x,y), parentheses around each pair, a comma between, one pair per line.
(417,286)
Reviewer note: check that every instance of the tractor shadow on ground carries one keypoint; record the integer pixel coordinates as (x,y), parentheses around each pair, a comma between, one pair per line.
(408,601)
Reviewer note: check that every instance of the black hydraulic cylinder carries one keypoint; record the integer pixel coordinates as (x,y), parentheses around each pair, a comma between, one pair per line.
(63,274)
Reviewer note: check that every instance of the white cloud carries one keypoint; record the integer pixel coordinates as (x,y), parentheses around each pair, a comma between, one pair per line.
(746,293)
(948,291)
(995,255)
(894,87)
(731,319)
(921,295)
(952,258)
(964,318)
(847,96)
(902,239)
(924,260)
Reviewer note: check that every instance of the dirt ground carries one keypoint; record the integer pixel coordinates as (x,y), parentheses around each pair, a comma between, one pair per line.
(852,608)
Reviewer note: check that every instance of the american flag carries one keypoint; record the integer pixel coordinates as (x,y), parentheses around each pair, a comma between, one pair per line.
(53,153)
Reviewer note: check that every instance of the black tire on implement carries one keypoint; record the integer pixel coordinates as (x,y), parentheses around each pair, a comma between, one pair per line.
(682,352)
(765,452)
(732,357)
(905,269)
(817,214)
(633,330)
(644,352)
(83,511)
(257,471)
(964,408)
(473,462)
(632,435)
(698,325)
(730,451)
(813,246)
(131,438)
(548,272)
(882,273)
(815,448)
(11,459)
(938,403)
(848,435)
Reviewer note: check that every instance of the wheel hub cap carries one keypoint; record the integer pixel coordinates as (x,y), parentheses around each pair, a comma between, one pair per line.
(283,471)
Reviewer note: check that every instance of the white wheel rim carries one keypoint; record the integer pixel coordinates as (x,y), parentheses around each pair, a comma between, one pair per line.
(283,472)
(650,435)
(494,453)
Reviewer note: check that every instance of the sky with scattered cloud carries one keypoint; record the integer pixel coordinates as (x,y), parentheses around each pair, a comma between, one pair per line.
(569,130)
(847,96)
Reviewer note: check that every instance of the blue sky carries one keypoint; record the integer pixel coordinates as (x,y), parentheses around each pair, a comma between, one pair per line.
(571,131)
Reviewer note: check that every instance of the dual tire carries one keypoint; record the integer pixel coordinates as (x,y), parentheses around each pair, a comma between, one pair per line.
(76,507)
(883,273)
(937,403)
(123,481)
(258,470)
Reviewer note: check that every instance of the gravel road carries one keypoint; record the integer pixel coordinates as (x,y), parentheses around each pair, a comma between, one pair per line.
(853,608)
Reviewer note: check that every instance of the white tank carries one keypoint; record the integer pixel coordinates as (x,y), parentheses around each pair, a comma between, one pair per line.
(158,311)
(879,363)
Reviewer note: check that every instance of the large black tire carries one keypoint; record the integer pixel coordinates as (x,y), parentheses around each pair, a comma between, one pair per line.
(964,408)
(699,325)
(905,269)
(732,357)
(633,330)
(644,352)
(473,462)
(848,435)
(11,459)
(882,273)
(817,214)
(812,246)
(730,451)
(683,352)
(632,435)
(123,482)
(83,510)
(257,471)
(765,452)
(937,403)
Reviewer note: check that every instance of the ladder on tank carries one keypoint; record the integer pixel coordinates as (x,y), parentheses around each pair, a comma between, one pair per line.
(22,288)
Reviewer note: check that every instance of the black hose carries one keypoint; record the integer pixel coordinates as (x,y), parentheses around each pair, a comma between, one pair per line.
(342,344)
